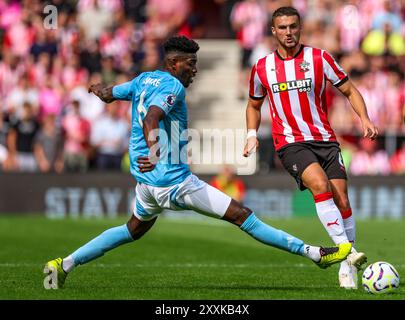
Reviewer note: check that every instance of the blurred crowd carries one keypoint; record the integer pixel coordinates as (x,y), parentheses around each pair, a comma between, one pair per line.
(48,121)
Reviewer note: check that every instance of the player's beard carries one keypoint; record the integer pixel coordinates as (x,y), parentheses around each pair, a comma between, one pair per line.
(186,79)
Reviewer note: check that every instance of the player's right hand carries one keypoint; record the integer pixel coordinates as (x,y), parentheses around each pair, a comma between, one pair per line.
(145,164)
(251,146)
(369,129)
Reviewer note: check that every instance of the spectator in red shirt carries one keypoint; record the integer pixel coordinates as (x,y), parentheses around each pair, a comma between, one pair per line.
(397,161)
(227,182)
(370,160)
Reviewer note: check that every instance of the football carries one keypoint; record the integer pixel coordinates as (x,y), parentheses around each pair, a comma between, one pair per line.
(380,277)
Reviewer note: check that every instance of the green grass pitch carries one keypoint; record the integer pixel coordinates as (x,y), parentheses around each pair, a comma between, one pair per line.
(185,259)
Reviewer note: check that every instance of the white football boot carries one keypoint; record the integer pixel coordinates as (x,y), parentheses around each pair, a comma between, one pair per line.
(356,259)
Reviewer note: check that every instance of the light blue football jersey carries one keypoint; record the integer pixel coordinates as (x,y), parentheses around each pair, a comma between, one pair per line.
(161,89)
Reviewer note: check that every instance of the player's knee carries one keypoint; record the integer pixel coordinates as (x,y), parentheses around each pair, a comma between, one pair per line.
(243,215)
(138,228)
(319,186)
(342,202)
(237,214)
(133,230)
(136,235)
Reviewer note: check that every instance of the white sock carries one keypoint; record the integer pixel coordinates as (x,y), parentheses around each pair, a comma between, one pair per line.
(350,225)
(312,252)
(68,264)
(330,217)
(350,229)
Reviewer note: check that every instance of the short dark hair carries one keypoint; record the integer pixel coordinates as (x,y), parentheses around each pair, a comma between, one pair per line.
(180,44)
(285,11)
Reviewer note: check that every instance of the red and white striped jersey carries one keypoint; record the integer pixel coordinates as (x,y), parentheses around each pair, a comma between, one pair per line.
(295,88)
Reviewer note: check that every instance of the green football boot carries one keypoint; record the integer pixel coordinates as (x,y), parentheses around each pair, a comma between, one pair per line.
(332,255)
(56,276)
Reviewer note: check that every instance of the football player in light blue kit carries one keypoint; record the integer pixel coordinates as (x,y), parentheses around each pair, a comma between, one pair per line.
(159,164)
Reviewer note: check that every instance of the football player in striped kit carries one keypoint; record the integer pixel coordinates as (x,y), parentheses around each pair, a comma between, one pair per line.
(293,78)
(160,167)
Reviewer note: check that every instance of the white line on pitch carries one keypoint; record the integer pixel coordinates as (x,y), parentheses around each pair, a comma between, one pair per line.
(179,265)
(176,265)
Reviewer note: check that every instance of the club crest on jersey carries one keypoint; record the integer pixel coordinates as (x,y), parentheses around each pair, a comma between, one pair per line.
(304,66)
(170,99)
(303,85)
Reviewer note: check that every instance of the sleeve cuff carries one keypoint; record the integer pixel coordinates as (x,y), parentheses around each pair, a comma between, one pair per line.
(339,83)
(255,98)
(113,89)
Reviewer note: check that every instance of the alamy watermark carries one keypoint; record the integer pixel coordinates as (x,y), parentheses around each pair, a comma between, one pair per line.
(208,147)
(51,18)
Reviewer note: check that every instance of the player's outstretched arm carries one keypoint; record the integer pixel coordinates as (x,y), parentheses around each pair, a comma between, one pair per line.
(253,118)
(103,92)
(356,100)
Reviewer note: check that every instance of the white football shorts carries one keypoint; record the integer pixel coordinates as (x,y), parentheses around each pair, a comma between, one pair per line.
(191,194)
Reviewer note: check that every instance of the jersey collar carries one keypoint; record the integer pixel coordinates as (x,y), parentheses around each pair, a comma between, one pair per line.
(296,55)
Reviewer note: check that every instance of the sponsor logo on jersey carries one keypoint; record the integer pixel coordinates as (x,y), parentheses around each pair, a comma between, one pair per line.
(303,85)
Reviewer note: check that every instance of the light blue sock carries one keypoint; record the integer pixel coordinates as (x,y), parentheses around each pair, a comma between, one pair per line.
(271,236)
(106,241)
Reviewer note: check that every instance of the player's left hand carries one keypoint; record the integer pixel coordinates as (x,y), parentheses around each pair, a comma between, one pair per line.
(251,146)
(369,129)
(95,88)
(145,164)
